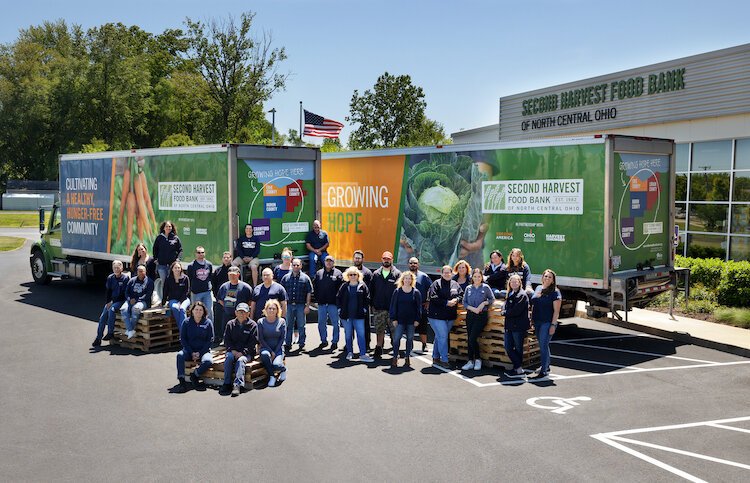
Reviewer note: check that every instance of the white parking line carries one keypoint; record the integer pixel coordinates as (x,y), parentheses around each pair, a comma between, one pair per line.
(615,439)
(621,336)
(595,363)
(628,351)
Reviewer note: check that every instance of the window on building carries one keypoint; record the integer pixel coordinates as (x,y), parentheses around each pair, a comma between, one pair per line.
(712,155)
(681,187)
(707,246)
(680,216)
(739,248)
(682,157)
(741,219)
(709,187)
(708,217)
(742,154)
(741,189)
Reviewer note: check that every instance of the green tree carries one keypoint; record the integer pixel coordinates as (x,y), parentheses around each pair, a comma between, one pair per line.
(392,114)
(175,140)
(241,72)
(331,145)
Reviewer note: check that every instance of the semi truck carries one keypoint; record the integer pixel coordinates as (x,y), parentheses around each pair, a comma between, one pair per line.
(109,202)
(597,210)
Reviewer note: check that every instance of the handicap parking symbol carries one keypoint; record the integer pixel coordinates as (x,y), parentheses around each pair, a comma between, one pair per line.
(557,405)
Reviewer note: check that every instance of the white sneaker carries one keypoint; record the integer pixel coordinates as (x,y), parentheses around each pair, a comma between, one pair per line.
(282,377)
(295,338)
(349,356)
(130,334)
(468,366)
(272,382)
(365,358)
(477,364)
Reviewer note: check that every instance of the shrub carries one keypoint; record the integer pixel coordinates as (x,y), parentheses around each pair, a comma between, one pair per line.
(704,271)
(734,316)
(734,288)
(701,307)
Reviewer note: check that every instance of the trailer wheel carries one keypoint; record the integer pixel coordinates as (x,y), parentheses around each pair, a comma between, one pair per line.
(38,269)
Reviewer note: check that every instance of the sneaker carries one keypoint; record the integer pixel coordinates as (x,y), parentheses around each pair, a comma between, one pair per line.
(131,334)
(295,338)
(446,364)
(302,347)
(424,348)
(323,345)
(194,378)
(97,342)
(540,375)
(468,366)
(520,372)
(349,356)
(272,382)
(478,364)
(366,358)
(407,362)
(181,387)
(333,346)
(287,348)
(109,336)
(514,373)
(236,390)
(282,376)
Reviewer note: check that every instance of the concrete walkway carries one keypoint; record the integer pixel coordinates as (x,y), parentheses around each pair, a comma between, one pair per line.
(721,337)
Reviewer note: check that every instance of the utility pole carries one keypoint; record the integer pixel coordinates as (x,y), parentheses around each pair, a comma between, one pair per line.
(273,126)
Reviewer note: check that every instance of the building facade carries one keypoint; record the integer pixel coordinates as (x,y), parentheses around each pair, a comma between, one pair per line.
(702,102)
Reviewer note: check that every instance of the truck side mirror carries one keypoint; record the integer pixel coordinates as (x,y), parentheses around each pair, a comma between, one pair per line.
(41,219)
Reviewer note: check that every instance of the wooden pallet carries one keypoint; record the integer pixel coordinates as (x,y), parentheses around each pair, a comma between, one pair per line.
(155,330)
(255,373)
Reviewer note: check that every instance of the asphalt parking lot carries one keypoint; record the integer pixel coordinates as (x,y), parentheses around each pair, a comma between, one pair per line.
(618,406)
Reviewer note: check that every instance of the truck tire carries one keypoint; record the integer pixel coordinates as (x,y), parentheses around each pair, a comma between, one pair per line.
(38,269)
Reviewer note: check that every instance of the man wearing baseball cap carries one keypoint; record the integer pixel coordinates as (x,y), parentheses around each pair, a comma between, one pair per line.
(241,341)
(381,290)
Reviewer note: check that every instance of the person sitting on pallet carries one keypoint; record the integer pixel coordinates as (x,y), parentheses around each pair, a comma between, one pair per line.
(241,341)
(246,251)
(196,335)
(115,285)
(272,334)
(137,299)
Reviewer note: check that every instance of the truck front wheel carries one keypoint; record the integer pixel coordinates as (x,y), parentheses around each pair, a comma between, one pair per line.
(39,269)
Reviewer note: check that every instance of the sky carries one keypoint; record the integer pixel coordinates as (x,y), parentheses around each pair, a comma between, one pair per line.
(465,55)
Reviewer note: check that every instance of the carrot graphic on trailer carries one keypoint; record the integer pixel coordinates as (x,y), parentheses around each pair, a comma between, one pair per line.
(123,199)
(146,195)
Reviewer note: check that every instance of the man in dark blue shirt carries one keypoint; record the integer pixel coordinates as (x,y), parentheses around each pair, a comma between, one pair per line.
(298,291)
(199,272)
(317,244)
(246,251)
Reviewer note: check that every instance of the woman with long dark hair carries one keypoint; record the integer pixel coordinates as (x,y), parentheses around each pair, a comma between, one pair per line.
(545,309)
(516,312)
(177,293)
(495,273)
(478,298)
(167,248)
(196,335)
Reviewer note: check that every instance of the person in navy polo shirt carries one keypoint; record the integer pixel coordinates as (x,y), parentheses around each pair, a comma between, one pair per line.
(317,243)
(247,249)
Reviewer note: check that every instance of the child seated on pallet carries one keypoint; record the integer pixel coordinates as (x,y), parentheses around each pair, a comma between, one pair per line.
(196,335)
(241,341)
(137,298)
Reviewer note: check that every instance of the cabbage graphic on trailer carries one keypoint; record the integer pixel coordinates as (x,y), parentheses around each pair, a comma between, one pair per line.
(442,206)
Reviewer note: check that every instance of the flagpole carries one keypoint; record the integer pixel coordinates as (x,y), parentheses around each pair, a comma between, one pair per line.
(300,123)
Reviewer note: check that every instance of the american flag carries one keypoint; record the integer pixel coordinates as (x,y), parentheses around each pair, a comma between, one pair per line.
(321,127)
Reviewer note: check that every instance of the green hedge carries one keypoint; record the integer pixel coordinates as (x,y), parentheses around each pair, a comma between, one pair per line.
(730,280)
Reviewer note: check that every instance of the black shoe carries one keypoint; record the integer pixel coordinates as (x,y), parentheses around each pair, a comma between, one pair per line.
(540,375)
(333,347)
(378,352)
(194,379)
(97,342)
(323,345)
(225,389)
(109,336)
(287,348)
(181,387)
(302,347)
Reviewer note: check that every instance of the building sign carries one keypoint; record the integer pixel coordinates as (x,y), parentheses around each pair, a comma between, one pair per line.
(596,95)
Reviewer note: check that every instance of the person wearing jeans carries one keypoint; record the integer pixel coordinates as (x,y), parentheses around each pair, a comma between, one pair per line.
(545,309)
(299,292)
(478,298)
(196,335)
(272,335)
(317,244)
(326,285)
(353,299)
(177,293)
(115,294)
(199,272)
(516,312)
(405,314)
(444,295)
(240,340)
(137,298)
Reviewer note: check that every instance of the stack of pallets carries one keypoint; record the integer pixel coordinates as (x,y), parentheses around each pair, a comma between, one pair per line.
(255,373)
(491,348)
(156,330)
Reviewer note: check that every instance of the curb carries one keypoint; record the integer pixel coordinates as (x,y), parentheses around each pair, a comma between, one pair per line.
(682,337)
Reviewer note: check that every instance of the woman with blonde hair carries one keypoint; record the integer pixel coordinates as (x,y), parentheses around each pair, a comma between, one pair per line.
(462,273)
(271,336)
(353,300)
(405,313)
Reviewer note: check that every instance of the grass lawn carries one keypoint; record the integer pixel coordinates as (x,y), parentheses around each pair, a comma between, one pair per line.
(10,243)
(21,219)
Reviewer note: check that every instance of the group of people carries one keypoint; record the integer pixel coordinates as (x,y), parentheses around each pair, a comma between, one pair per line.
(215,306)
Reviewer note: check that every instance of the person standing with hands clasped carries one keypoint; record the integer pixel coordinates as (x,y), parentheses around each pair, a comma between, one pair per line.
(271,336)
(298,288)
(406,314)
(444,295)
(545,309)
(478,298)
(381,290)
(352,300)
(516,312)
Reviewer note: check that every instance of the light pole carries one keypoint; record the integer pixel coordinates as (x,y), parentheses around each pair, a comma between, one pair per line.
(273,126)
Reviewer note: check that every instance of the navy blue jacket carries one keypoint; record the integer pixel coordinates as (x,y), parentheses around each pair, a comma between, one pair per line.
(176,289)
(247,247)
(219,278)
(406,308)
(363,301)
(167,250)
(140,290)
(516,311)
(496,278)
(442,291)
(326,285)
(196,337)
(241,337)
(381,288)
(116,287)
(524,271)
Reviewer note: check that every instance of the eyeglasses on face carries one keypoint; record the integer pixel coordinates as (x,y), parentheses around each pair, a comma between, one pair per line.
(200,252)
